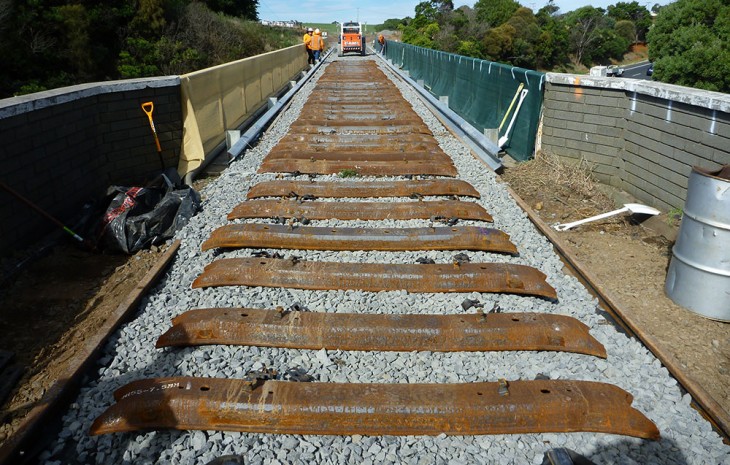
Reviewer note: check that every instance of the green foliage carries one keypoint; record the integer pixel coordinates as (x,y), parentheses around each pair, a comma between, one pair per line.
(53,43)
(348,173)
(390,24)
(138,58)
(495,12)
(243,8)
(637,14)
(422,30)
(690,44)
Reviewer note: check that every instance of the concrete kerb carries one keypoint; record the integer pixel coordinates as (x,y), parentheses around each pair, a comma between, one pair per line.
(26,103)
(696,97)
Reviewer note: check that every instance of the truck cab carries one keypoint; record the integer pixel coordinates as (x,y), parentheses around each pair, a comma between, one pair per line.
(614,70)
(351,38)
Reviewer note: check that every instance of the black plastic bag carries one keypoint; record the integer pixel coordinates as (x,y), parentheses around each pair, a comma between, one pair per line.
(139,217)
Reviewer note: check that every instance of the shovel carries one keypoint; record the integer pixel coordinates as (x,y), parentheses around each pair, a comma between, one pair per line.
(634,208)
(512,103)
(503,140)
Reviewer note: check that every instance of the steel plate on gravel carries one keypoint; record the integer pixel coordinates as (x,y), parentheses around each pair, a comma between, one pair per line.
(279,236)
(315,210)
(363,189)
(357,331)
(292,273)
(284,407)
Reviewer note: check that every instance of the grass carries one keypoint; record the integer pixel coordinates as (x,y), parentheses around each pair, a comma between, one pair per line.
(348,173)
(674,216)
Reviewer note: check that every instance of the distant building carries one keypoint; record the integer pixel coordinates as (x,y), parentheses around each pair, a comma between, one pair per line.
(292,24)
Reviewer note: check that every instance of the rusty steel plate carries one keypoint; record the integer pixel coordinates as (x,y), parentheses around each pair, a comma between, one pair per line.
(359,155)
(363,168)
(279,236)
(376,277)
(315,210)
(346,142)
(411,123)
(285,407)
(360,189)
(356,331)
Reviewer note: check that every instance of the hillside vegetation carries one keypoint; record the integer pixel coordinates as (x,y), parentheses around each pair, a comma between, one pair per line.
(689,39)
(47,44)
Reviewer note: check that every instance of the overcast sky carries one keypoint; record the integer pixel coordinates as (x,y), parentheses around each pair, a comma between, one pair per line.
(377,11)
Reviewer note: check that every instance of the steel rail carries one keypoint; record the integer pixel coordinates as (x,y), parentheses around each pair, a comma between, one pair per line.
(704,402)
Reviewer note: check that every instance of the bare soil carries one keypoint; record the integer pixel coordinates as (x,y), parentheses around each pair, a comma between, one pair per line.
(48,311)
(630,262)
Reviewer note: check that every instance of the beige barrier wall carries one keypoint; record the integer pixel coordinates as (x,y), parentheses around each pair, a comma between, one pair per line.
(222,97)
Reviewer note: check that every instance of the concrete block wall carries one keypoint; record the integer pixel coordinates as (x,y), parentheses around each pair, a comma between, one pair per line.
(640,136)
(65,147)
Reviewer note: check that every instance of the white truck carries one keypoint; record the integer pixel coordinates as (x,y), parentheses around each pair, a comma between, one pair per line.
(614,70)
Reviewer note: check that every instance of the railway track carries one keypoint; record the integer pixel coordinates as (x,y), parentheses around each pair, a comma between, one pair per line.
(360,288)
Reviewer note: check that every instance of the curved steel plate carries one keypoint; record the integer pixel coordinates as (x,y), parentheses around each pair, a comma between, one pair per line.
(465,277)
(363,189)
(283,407)
(279,236)
(357,331)
(315,210)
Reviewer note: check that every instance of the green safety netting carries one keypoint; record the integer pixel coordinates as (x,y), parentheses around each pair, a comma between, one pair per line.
(479,91)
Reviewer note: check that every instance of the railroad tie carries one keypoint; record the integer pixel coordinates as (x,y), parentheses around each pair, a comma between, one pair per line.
(279,236)
(284,407)
(381,332)
(375,277)
(359,189)
(316,210)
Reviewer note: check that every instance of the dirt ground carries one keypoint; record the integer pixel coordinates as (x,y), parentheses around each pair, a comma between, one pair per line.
(48,309)
(630,261)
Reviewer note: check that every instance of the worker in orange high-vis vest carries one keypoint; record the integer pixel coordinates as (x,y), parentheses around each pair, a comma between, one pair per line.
(308,44)
(317,44)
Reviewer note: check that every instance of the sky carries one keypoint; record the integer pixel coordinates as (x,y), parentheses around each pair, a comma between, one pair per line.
(377,11)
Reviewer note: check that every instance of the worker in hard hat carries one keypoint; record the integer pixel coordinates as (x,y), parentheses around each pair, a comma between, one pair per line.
(381,41)
(308,45)
(317,44)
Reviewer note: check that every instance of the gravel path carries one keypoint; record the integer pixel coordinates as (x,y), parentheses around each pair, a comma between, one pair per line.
(130,355)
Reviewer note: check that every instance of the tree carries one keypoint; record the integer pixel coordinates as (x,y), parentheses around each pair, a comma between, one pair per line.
(495,12)
(627,29)
(632,11)
(584,24)
(690,44)
(423,29)
(552,46)
(246,9)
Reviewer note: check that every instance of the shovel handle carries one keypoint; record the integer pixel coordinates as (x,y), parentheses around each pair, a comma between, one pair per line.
(148,107)
(512,104)
(566,226)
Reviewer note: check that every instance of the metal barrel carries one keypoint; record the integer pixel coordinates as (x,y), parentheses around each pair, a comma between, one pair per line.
(699,273)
